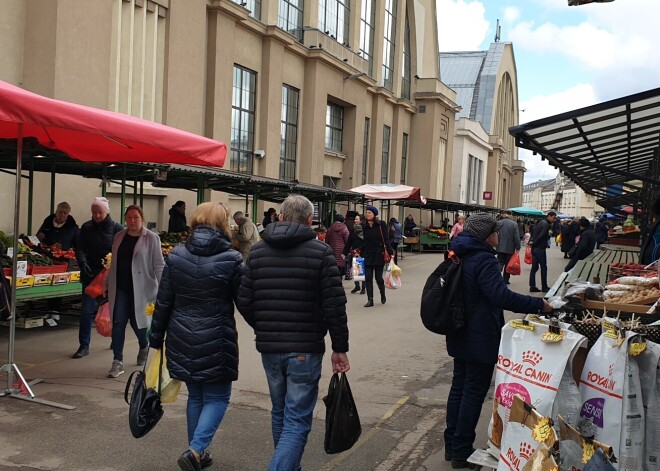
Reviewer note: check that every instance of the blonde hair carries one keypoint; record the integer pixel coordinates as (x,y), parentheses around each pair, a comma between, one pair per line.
(215,215)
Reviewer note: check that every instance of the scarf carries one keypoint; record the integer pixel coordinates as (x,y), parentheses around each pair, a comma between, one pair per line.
(358,230)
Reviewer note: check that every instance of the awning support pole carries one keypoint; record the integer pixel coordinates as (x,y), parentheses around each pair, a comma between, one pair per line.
(123,193)
(52,189)
(30,198)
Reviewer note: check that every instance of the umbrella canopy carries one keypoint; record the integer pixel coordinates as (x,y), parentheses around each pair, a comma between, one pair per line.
(527,211)
(94,135)
(390,191)
(564,216)
(611,216)
(629,209)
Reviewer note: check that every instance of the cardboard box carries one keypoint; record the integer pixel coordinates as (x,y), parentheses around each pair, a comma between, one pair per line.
(22,281)
(43,280)
(618,307)
(26,322)
(74,276)
(61,278)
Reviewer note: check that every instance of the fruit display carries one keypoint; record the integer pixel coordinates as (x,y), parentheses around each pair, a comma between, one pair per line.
(173,237)
(436,233)
(617,270)
(166,248)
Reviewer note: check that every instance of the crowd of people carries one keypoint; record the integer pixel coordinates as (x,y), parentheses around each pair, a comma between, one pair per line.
(197,288)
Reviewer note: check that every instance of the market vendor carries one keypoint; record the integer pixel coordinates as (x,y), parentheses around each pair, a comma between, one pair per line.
(59,228)
(177,222)
(408,226)
(247,234)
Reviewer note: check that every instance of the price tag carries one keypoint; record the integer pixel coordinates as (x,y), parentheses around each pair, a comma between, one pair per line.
(10,252)
(518,324)
(34,239)
(587,451)
(535,318)
(637,347)
(21,268)
(552,337)
(542,431)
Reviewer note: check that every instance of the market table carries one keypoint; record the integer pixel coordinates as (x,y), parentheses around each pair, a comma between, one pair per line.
(433,242)
(43,292)
(594,266)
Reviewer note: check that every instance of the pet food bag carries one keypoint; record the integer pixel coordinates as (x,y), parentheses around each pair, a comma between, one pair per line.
(358,269)
(647,361)
(526,431)
(612,396)
(531,362)
(576,450)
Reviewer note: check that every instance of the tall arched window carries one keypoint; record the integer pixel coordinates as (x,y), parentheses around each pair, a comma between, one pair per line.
(367,22)
(333,19)
(405,81)
(388,44)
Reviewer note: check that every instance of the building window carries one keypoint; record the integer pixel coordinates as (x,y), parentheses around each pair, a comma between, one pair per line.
(333,19)
(365,151)
(334,127)
(253,5)
(138,58)
(474,179)
(388,43)
(242,119)
(404,159)
(385,164)
(331,182)
(290,17)
(367,21)
(405,81)
(289,132)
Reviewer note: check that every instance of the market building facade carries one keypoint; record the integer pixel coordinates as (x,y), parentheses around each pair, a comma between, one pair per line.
(322,92)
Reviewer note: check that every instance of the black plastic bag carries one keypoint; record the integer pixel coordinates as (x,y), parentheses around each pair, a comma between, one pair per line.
(342,422)
(145,409)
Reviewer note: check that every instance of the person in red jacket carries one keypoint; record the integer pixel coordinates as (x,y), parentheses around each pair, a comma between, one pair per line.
(336,238)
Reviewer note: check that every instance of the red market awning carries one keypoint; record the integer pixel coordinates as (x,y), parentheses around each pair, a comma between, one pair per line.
(95,135)
(390,191)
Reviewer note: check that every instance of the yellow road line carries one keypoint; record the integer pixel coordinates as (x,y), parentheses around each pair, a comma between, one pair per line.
(364,438)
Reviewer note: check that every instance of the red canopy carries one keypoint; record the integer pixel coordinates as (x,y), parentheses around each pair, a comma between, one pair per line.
(94,135)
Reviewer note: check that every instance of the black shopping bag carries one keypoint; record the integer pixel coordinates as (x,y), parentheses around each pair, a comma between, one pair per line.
(342,422)
(145,409)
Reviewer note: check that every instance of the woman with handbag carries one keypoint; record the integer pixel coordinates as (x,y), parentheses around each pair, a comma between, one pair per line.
(194,317)
(376,252)
(137,264)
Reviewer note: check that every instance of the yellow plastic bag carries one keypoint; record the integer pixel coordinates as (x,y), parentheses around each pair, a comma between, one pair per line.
(169,388)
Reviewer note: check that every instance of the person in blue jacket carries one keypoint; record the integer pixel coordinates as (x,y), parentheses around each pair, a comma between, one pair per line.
(475,348)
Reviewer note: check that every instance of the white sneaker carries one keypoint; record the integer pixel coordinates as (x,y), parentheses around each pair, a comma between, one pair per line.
(116,370)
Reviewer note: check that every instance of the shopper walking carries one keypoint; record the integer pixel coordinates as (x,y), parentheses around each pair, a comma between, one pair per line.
(93,245)
(247,234)
(457,228)
(396,237)
(137,265)
(290,332)
(376,242)
(336,238)
(269,216)
(602,231)
(475,348)
(194,316)
(541,233)
(353,248)
(508,243)
(585,246)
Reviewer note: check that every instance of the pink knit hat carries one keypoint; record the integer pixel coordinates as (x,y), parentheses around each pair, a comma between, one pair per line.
(101,203)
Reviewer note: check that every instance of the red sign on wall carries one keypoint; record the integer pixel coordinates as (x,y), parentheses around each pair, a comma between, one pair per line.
(488,195)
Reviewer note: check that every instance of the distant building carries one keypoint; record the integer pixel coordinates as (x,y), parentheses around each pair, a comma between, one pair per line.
(486,84)
(562,195)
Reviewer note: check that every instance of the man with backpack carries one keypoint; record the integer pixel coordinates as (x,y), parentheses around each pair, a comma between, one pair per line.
(474,347)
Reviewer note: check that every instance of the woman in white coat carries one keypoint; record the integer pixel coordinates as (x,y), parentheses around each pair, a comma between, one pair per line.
(137,264)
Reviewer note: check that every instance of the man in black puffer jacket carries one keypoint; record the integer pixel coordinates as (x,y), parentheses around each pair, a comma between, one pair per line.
(292,295)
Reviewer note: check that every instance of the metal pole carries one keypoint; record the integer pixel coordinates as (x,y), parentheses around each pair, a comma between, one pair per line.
(30,198)
(200,190)
(123,193)
(135,190)
(255,202)
(142,192)
(104,187)
(52,189)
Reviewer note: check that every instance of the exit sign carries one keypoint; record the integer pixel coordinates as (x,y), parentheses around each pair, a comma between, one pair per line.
(488,195)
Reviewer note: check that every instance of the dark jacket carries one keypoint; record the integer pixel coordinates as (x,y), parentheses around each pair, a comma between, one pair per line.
(396,233)
(540,234)
(567,241)
(65,235)
(408,226)
(93,244)
(177,221)
(291,292)
(485,296)
(649,251)
(195,308)
(585,247)
(353,243)
(374,248)
(336,238)
(602,232)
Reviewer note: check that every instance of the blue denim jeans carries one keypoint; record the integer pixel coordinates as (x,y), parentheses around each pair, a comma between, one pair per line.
(124,313)
(87,308)
(293,381)
(207,404)
(468,391)
(539,259)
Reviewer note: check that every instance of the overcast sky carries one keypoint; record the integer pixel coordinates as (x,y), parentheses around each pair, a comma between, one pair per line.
(566,57)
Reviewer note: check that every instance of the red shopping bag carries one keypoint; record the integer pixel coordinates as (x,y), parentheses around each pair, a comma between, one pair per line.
(96,287)
(513,267)
(528,255)
(103,323)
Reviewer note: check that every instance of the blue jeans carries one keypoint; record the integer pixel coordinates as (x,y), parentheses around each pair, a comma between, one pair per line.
(293,381)
(87,308)
(539,259)
(207,404)
(468,391)
(124,313)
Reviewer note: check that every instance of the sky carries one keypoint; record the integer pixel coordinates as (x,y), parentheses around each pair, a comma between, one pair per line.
(566,57)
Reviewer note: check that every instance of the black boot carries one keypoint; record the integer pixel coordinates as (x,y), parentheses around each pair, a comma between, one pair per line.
(356,289)
(383,299)
(370,302)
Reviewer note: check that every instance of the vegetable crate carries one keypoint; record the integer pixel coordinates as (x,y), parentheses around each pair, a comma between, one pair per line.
(617,270)
(47,269)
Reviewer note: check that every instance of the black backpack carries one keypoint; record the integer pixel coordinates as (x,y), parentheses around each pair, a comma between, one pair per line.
(442,308)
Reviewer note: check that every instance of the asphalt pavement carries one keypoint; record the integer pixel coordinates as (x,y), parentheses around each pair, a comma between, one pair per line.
(400,376)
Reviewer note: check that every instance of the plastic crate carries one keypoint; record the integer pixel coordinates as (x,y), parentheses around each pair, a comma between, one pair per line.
(47,269)
(614,273)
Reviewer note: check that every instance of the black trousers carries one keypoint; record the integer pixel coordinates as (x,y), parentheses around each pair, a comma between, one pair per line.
(370,270)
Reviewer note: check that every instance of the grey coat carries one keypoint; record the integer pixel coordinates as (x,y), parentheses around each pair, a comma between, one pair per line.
(509,237)
(148,266)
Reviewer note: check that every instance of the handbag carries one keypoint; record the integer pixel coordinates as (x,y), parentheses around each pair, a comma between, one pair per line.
(386,254)
(103,322)
(145,409)
(528,255)
(513,267)
(157,372)
(342,422)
